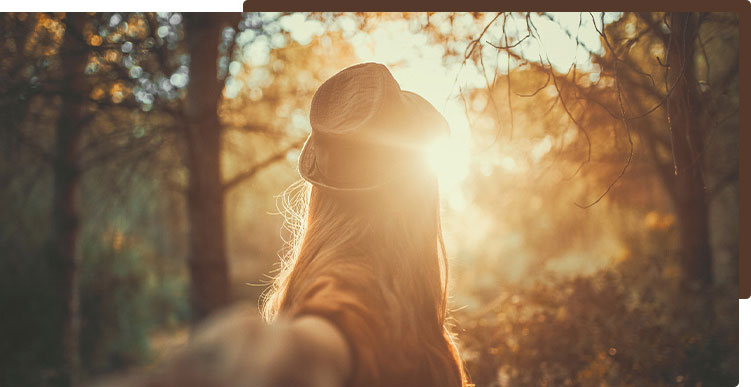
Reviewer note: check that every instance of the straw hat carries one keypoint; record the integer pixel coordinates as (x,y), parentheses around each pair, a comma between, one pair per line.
(366,131)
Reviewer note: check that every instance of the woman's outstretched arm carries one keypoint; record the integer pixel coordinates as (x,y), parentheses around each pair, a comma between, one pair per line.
(235,348)
(314,350)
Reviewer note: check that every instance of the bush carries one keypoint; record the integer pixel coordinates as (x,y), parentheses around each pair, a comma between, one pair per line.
(126,294)
(628,325)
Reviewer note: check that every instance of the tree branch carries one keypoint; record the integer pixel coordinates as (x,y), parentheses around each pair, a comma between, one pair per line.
(242,176)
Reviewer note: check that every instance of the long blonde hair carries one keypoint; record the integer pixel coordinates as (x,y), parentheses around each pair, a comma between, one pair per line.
(396,232)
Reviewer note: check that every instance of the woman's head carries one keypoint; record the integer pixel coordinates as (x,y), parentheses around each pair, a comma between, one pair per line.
(365,130)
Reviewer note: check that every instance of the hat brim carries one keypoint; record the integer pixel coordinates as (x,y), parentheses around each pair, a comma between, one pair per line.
(308,170)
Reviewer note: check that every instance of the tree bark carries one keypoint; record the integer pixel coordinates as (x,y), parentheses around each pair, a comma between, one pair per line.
(209,287)
(65,211)
(687,134)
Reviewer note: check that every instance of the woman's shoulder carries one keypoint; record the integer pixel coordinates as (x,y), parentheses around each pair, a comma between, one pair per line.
(343,285)
(345,294)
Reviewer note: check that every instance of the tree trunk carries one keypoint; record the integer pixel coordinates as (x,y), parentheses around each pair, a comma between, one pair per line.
(209,288)
(687,137)
(65,211)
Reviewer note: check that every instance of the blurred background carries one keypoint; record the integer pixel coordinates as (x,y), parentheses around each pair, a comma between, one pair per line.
(589,188)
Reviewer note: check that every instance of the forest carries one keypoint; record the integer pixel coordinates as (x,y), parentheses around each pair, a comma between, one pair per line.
(589,188)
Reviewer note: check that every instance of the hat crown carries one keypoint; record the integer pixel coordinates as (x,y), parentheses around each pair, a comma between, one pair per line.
(351,98)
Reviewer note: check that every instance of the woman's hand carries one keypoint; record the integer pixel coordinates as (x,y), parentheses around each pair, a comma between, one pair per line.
(236,349)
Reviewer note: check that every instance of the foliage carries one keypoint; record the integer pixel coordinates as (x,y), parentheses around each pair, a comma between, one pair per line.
(628,325)
(133,282)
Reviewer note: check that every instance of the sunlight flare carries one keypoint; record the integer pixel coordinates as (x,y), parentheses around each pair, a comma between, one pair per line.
(449,161)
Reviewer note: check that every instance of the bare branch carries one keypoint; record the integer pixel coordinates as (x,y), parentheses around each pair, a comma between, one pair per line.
(630,142)
(242,176)
(508,78)
(547,81)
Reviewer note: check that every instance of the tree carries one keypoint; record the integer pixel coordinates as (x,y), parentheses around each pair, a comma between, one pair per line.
(64,75)
(206,190)
(66,185)
(207,258)
(689,101)
(658,105)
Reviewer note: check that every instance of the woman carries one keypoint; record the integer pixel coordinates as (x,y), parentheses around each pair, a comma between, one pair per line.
(370,259)
(361,298)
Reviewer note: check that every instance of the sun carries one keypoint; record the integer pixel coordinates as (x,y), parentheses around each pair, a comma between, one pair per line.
(448,158)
